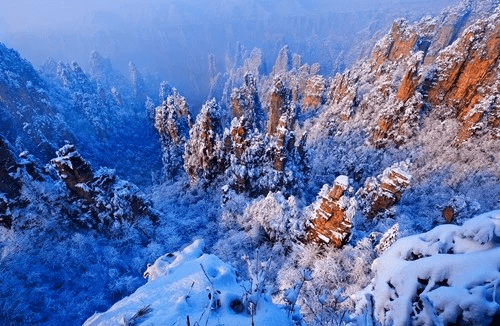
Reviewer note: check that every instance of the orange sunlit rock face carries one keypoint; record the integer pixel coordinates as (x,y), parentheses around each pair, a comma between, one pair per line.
(313,93)
(377,197)
(332,223)
(468,68)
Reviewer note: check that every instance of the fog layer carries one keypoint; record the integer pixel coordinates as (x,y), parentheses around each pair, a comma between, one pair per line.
(174,38)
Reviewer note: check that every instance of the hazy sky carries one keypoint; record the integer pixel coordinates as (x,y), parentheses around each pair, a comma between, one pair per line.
(174,37)
(36,15)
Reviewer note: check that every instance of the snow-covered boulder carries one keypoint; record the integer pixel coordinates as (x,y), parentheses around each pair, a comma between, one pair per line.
(188,288)
(449,275)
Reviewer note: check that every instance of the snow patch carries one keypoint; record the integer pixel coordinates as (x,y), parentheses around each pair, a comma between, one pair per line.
(191,285)
(448,274)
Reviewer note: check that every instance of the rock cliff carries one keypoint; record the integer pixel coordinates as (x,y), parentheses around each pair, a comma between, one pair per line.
(101,199)
(441,64)
(332,219)
(173,122)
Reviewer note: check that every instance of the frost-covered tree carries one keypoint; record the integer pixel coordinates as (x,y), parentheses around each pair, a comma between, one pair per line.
(277,215)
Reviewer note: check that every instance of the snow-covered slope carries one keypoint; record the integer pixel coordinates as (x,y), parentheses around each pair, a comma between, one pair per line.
(27,114)
(189,288)
(445,276)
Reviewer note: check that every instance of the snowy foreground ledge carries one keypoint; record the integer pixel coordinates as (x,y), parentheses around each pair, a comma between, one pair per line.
(178,287)
(447,275)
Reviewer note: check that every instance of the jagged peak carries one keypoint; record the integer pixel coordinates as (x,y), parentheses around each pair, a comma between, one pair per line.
(283,61)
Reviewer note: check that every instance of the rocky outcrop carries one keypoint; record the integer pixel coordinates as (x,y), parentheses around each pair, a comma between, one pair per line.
(445,66)
(458,75)
(334,209)
(379,195)
(458,209)
(202,150)
(448,214)
(410,80)
(282,141)
(279,104)
(257,164)
(314,93)
(340,89)
(255,161)
(173,122)
(75,172)
(465,73)
(398,123)
(446,30)
(398,43)
(342,94)
(239,133)
(245,103)
(101,199)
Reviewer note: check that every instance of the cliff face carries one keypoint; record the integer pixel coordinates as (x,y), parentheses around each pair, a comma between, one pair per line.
(437,64)
(173,122)
(467,76)
(332,218)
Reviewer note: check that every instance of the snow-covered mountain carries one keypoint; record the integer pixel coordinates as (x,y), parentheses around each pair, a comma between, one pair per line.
(329,186)
(103,112)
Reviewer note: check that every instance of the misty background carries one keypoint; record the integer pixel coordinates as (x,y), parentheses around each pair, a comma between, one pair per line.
(172,39)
